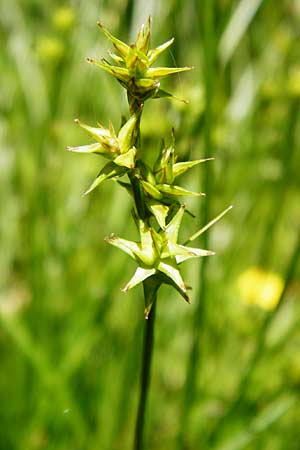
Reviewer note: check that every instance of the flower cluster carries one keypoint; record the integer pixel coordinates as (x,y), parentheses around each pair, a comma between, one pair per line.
(132,66)
(157,210)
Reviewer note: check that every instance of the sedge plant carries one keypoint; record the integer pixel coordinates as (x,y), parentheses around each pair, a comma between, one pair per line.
(157,206)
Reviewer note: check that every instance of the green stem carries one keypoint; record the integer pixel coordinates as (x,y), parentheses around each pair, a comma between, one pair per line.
(198,319)
(145,379)
(259,347)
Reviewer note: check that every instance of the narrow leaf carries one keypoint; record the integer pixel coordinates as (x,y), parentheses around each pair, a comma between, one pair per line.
(206,227)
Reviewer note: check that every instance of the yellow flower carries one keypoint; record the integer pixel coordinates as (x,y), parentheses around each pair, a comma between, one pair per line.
(293,83)
(261,288)
(50,49)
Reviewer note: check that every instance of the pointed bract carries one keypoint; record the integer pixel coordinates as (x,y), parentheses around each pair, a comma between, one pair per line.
(110,170)
(122,48)
(92,148)
(139,276)
(159,72)
(156,52)
(126,133)
(182,167)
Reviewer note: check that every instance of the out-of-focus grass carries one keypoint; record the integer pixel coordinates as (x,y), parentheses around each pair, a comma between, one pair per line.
(70,341)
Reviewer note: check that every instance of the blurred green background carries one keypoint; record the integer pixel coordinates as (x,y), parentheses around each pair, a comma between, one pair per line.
(226,369)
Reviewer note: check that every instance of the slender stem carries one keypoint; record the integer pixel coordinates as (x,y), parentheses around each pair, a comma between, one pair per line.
(136,106)
(145,379)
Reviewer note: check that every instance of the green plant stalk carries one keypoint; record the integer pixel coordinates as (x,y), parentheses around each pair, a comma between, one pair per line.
(259,347)
(149,323)
(125,398)
(199,316)
(145,379)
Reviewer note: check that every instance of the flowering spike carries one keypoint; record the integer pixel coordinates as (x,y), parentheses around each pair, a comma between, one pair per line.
(157,210)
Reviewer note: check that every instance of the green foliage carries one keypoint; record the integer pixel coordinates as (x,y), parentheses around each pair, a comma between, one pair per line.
(70,341)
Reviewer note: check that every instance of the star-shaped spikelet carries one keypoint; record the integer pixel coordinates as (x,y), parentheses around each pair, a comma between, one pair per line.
(117,148)
(159,254)
(133,63)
